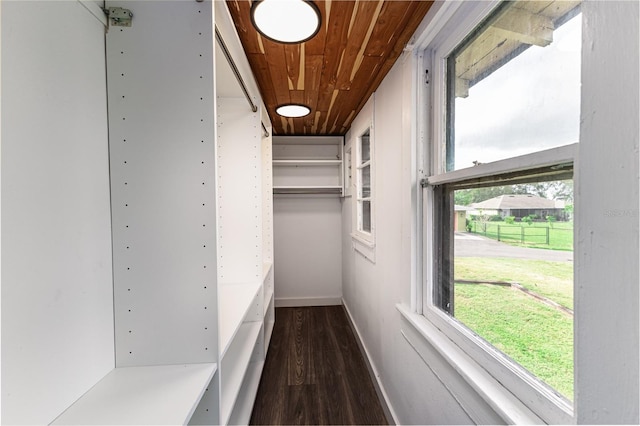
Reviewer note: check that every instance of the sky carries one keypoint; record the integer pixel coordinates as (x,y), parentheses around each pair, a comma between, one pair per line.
(530,104)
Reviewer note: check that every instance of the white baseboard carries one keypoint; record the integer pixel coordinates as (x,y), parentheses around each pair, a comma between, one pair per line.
(388,408)
(289,302)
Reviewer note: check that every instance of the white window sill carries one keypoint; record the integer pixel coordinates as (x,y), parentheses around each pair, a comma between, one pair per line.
(418,331)
(365,247)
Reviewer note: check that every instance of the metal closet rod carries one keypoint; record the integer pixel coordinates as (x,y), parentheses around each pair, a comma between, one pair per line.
(235,70)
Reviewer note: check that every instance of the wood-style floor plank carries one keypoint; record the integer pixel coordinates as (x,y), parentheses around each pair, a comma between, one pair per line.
(315,373)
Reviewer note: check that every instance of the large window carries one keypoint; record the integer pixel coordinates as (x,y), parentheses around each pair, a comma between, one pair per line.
(500,196)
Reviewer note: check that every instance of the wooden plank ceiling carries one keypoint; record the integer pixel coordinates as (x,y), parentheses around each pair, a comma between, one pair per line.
(335,72)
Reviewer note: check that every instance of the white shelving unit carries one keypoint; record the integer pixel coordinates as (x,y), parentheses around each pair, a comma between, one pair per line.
(235,300)
(244,213)
(164,394)
(308,165)
(160,273)
(184,307)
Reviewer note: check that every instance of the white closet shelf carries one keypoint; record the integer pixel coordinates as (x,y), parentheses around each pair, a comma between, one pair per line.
(155,394)
(307,187)
(239,356)
(234,301)
(267,297)
(244,403)
(266,267)
(307,162)
(326,189)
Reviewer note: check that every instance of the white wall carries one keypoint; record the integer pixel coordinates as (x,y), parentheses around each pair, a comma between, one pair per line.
(307,250)
(163,180)
(57,310)
(607,276)
(372,290)
(428,390)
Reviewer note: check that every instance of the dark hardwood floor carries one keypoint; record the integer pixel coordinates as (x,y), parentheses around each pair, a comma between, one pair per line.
(315,373)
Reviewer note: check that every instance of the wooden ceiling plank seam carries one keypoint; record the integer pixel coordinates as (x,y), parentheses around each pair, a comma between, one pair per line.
(313,71)
(340,98)
(316,121)
(412,21)
(334,46)
(315,46)
(346,124)
(358,38)
(284,125)
(387,26)
(334,95)
(415,13)
(302,70)
(292,60)
(260,43)
(421,9)
(324,97)
(239,10)
(342,115)
(297,96)
(274,52)
(365,42)
(399,40)
(260,69)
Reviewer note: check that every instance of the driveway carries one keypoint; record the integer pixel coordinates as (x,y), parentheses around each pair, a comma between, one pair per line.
(472,245)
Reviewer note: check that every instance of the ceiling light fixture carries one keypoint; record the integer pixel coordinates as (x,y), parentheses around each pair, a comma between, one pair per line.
(286,21)
(293,110)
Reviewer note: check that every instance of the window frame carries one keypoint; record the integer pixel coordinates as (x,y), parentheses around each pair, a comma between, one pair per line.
(348,171)
(362,237)
(464,17)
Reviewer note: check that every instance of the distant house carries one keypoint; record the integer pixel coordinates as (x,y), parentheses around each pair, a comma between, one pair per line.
(460,218)
(520,205)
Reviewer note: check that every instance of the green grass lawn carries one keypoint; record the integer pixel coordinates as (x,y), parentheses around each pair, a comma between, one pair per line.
(550,279)
(560,235)
(537,336)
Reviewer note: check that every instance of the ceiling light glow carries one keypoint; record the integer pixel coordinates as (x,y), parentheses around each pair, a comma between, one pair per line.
(293,111)
(286,21)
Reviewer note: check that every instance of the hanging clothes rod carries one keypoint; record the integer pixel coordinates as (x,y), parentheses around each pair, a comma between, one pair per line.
(235,70)
(264,129)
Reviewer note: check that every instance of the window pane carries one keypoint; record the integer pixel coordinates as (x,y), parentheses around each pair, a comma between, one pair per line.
(513,273)
(366,182)
(514,85)
(366,216)
(366,151)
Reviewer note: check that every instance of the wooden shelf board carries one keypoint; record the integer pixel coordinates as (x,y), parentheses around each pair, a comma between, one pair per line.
(233,302)
(158,394)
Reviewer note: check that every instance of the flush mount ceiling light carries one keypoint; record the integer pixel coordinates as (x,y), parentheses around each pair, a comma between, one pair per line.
(286,21)
(293,110)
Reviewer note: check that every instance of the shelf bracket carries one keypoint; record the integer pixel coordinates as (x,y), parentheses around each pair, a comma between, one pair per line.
(119,17)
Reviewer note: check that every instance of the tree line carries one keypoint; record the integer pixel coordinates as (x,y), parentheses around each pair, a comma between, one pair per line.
(554,190)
